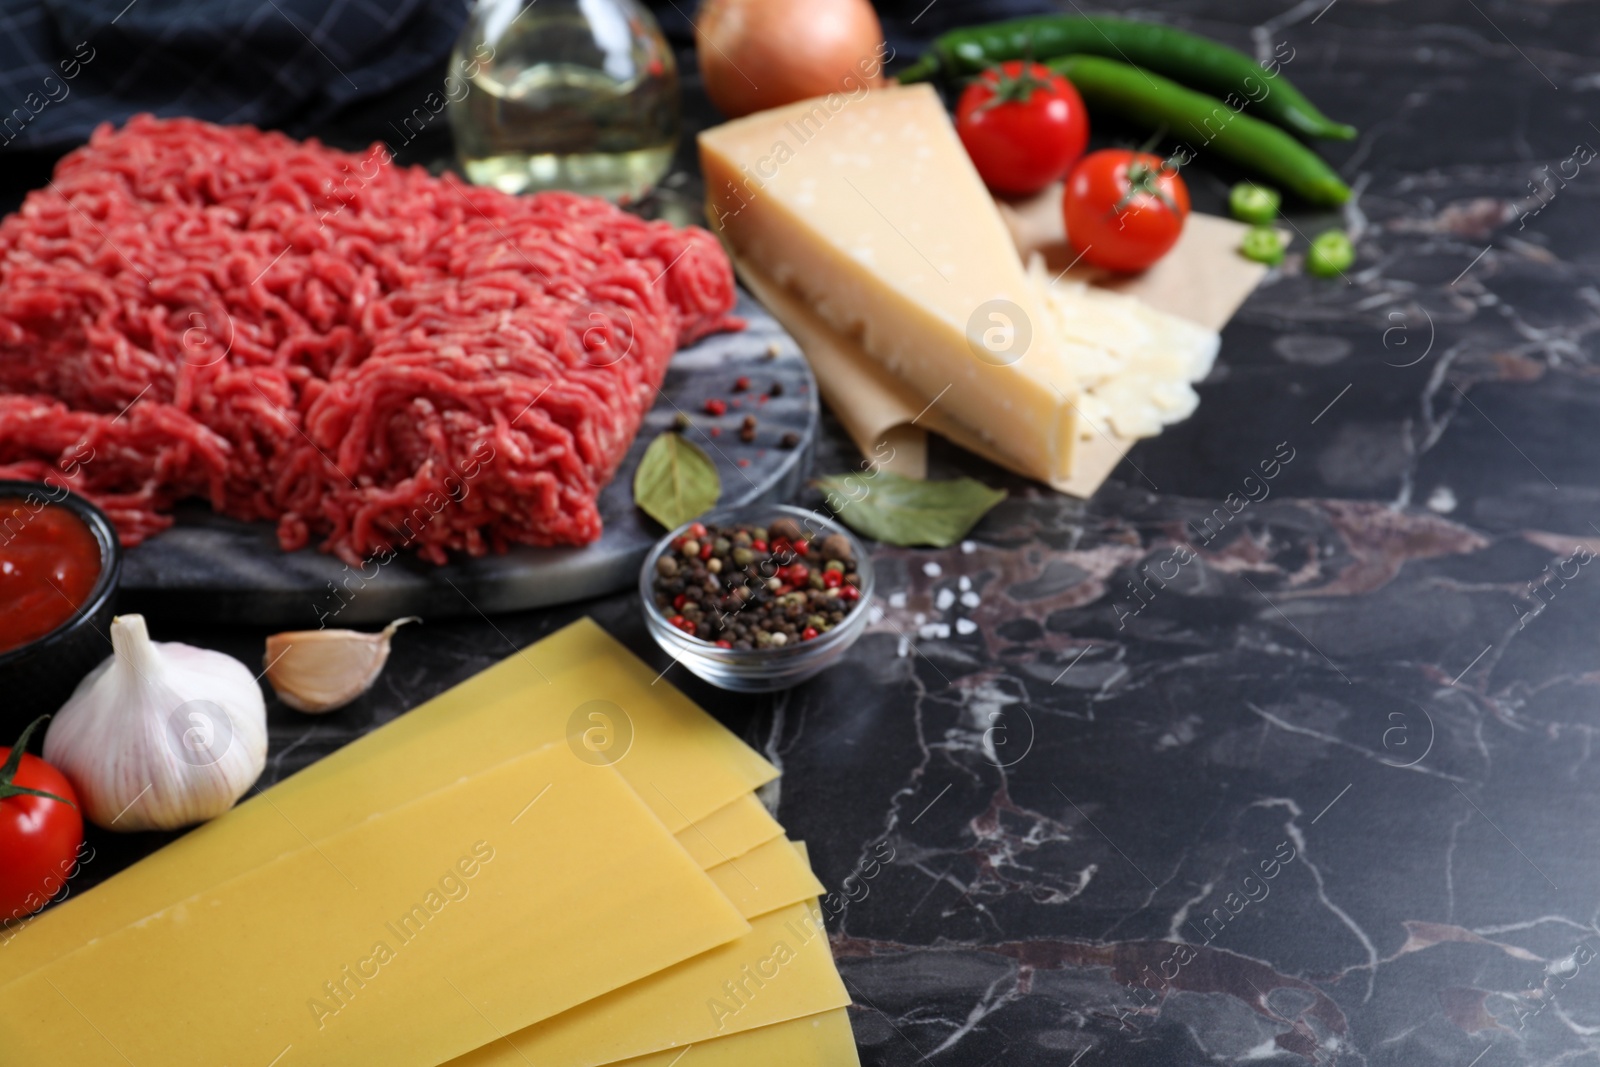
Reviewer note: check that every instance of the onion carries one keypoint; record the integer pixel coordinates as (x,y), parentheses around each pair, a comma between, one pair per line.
(759,54)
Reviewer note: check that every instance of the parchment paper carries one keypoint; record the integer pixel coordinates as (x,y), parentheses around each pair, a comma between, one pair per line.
(1202,279)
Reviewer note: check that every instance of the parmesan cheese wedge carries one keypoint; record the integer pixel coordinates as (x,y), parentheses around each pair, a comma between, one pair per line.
(867,208)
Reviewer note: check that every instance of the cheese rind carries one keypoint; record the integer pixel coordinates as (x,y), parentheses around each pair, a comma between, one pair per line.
(869,208)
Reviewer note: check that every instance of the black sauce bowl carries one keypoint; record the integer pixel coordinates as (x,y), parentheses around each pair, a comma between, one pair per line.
(38,677)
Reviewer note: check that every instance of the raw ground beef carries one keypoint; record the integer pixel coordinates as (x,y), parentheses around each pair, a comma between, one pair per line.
(367,355)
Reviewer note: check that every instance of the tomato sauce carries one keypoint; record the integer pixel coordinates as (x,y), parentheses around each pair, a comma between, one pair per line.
(49,562)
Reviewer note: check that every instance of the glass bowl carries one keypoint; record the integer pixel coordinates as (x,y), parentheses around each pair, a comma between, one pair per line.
(758,670)
(38,677)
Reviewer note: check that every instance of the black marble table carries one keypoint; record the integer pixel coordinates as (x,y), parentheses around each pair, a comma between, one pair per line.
(1323,794)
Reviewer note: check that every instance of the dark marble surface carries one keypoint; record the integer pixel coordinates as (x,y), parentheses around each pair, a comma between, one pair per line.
(1350,684)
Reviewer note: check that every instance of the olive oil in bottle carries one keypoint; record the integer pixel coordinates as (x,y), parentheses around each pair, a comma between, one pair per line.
(565,94)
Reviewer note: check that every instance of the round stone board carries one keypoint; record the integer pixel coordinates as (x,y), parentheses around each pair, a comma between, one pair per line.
(209,568)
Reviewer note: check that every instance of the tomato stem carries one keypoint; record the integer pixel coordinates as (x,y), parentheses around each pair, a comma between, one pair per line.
(1018,89)
(8,772)
(1144,179)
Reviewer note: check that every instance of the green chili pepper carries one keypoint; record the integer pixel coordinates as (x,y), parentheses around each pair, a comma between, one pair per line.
(1263,244)
(1258,204)
(1192,60)
(1331,253)
(1203,123)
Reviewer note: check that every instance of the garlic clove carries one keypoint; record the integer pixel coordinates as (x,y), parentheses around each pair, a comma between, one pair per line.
(160,735)
(317,671)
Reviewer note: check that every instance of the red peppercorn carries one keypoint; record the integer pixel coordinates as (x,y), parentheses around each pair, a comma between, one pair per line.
(716,407)
(697,530)
(848,592)
(780,547)
(705,550)
(799,573)
(741,384)
(759,546)
(689,627)
(677,543)
(681,623)
(762,399)
(832,579)
(724,643)
(808,633)
(782,589)
(803,547)
(679,601)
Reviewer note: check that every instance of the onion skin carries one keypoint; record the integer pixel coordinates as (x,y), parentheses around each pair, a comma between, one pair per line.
(760,54)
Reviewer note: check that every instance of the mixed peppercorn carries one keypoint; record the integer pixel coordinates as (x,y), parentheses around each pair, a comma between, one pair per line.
(744,586)
(749,426)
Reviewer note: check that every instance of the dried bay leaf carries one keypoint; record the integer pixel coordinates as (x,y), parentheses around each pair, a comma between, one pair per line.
(676,481)
(903,511)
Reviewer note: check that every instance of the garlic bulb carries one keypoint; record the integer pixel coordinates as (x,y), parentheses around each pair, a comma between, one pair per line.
(319,670)
(160,735)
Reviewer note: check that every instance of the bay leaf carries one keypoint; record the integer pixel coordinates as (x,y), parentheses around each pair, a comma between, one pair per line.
(675,481)
(902,511)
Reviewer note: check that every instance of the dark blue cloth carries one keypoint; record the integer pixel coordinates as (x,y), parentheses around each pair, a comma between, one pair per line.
(68,65)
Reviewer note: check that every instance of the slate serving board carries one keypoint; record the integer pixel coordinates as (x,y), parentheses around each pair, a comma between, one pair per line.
(209,568)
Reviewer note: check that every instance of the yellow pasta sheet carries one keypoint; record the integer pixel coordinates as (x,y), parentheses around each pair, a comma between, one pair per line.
(781,970)
(729,832)
(822,1040)
(510,896)
(766,878)
(682,763)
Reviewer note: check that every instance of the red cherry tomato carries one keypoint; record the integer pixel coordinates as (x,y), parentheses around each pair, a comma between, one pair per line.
(1024,127)
(1124,210)
(39,837)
